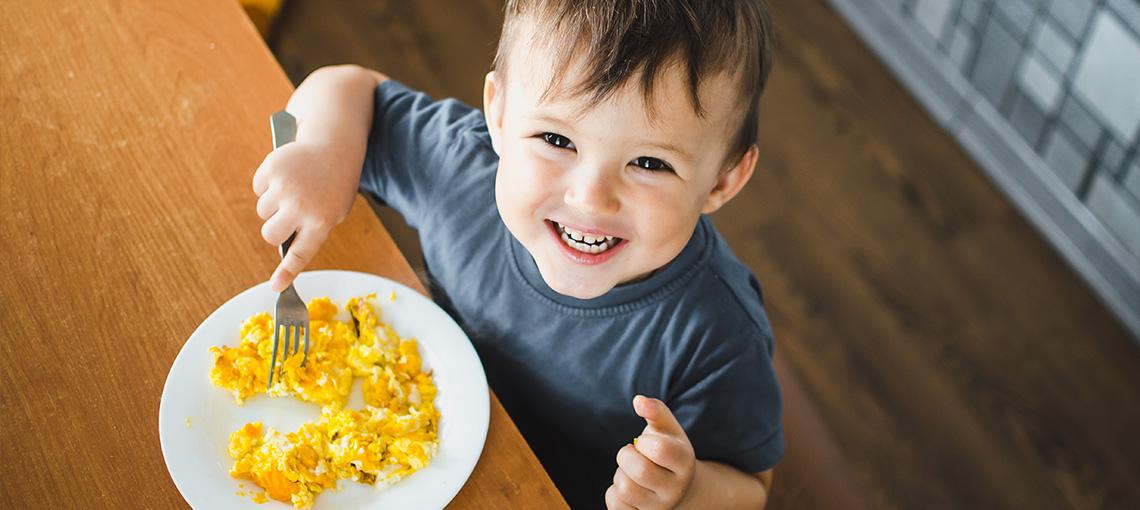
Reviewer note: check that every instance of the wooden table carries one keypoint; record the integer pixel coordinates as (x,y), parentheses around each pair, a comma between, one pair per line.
(131,130)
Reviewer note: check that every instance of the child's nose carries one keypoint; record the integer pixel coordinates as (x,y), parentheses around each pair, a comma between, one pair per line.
(593,191)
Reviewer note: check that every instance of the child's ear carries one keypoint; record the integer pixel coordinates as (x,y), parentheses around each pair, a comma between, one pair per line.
(731,181)
(492,109)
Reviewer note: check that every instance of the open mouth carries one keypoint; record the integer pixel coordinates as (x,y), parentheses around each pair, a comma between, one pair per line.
(585,243)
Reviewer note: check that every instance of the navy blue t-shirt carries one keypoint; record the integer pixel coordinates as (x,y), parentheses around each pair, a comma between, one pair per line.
(694,334)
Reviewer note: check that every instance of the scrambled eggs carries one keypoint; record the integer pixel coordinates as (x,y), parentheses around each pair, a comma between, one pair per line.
(394,435)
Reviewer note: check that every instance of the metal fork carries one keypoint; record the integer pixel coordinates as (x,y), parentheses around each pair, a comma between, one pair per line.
(291,315)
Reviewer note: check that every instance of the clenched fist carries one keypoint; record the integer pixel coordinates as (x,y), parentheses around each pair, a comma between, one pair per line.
(302,188)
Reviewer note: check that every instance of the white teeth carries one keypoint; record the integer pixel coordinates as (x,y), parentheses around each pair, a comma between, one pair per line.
(585,243)
(574,234)
(586,248)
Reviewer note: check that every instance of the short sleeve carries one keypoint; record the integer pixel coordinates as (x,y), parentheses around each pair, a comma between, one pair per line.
(730,405)
(410,148)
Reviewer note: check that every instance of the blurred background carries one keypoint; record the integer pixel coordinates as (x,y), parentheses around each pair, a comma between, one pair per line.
(1045,96)
(945,219)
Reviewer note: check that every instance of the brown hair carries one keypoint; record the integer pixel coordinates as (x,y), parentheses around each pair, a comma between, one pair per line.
(620,38)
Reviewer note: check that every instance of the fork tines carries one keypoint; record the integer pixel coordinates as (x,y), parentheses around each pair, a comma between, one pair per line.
(287,328)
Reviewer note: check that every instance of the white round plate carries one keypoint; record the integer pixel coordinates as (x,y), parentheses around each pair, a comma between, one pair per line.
(196,418)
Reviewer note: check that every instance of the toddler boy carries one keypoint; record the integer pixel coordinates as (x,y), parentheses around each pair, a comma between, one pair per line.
(564,228)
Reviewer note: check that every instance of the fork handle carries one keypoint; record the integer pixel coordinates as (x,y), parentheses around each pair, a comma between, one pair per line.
(284,248)
(284,127)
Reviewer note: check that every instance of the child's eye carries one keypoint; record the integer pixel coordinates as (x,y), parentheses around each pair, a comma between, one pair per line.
(652,164)
(558,140)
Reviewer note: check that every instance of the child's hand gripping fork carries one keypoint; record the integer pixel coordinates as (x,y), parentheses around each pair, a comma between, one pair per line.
(291,315)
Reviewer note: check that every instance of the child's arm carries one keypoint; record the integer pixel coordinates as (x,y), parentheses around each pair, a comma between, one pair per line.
(717,485)
(308,186)
(661,471)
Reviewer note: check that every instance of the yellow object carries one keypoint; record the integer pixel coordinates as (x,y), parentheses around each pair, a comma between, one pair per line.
(262,13)
(394,435)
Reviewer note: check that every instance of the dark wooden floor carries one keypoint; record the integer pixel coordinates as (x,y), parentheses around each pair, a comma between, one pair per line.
(956,358)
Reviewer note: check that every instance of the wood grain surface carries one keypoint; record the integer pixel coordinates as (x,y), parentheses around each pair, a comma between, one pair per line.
(933,350)
(131,132)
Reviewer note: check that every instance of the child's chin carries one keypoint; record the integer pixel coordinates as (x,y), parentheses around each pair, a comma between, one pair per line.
(578,288)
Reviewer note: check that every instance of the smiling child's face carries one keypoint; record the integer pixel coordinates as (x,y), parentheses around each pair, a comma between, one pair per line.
(605,195)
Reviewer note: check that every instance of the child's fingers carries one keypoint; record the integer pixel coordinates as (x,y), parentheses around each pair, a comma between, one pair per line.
(642,470)
(267,205)
(278,228)
(669,452)
(613,502)
(658,416)
(261,176)
(281,278)
(300,253)
(630,492)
